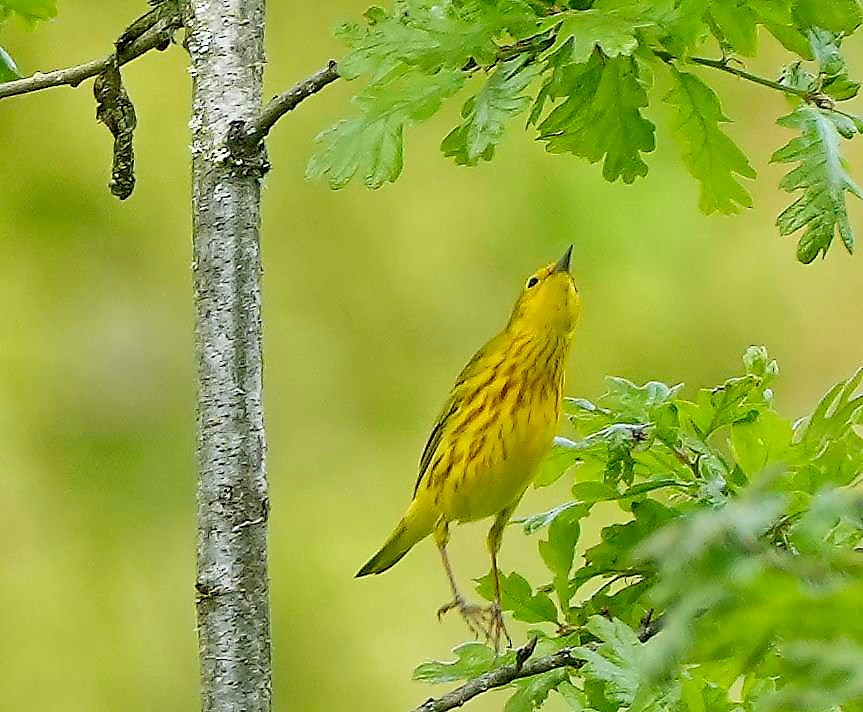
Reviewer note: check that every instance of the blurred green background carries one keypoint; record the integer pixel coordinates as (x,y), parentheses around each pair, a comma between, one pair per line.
(373,301)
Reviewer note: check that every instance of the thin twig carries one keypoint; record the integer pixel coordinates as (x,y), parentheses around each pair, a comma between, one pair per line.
(500,677)
(613,580)
(682,457)
(157,36)
(247,136)
(650,625)
(723,65)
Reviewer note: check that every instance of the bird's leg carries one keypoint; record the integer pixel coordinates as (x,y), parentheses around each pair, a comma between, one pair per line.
(496,627)
(472,614)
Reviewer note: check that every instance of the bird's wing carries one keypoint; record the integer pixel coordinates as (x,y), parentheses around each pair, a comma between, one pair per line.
(453,405)
(434,439)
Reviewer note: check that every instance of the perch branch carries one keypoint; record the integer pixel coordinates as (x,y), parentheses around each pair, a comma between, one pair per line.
(522,667)
(500,677)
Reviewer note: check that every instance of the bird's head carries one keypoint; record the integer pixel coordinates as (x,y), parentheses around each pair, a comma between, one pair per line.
(549,301)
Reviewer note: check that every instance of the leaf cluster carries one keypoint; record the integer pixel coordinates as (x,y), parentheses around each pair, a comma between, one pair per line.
(731,583)
(31,12)
(588,74)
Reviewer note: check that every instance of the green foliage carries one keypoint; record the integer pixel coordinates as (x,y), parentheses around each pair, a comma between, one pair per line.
(732,582)
(711,157)
(618,661)
(822,177)
(372,143)
(472,659)
(31,12)
(485,114)
(517,596)
(8,70)
(609,27)
(587,67)
(601,118)
(532,692)
(833,15)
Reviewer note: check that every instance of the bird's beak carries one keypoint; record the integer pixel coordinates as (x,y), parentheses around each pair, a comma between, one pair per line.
(562,265)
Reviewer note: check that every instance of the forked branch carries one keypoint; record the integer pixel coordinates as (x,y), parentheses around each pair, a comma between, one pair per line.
(500,677)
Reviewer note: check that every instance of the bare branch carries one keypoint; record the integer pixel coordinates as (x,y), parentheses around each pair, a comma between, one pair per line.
(247,136)
(500,677)
(156,37)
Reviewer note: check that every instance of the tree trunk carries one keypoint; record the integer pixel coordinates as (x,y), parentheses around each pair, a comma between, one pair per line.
(225,40)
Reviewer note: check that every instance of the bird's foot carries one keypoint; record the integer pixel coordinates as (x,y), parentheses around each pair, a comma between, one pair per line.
(496,631)
(474,616)
(484,622)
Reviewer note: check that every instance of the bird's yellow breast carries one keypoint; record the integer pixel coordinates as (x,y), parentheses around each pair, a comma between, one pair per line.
(496,428)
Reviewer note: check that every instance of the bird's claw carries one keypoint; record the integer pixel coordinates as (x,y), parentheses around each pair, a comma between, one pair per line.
(497,631)
(484,622)
(472,614)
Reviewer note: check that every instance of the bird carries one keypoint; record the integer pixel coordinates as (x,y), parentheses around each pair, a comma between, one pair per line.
(495,428)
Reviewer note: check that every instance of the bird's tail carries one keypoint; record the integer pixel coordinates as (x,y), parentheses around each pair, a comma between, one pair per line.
(415,526)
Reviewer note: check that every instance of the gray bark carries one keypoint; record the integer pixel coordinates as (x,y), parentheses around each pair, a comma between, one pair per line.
(225,40)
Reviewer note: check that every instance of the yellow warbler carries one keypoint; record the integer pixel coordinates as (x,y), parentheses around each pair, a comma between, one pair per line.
(496,426)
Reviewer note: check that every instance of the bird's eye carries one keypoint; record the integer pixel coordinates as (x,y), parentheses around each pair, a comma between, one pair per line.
(533,281)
